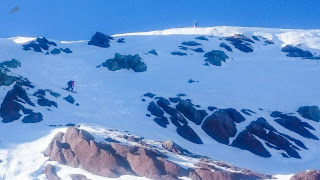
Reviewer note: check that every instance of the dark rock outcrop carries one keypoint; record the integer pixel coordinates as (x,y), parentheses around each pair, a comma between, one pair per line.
(6,80)
(66,50)
(154,52)
(162,121)
(177,53)
(32,118)
(39,45)
(190,43)
(202,38)
(100,40)
(149,94)
(12,104)
(199,50)
(224,45)
(188,133)
(69,99)
(296,52)
(183,48)
(221,124)
(77,148)
(307,175)
(187,109)
(55,51)
(121,40)
(155,110)
(310,112)
(125,62)
(294,124)
(241,42)
(215,57)
(78,177)
(10,64)
(50,172)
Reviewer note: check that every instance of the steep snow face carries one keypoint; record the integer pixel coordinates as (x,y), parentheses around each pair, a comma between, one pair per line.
(262,81)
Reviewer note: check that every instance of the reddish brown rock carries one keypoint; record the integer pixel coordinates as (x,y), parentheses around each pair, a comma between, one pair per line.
(50,172)
(78,177)
(307,175)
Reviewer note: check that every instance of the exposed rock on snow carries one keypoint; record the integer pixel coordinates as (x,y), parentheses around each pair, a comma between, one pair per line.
(310,112)
(39,45)
(190,43)
(224,45)
(202,38)
(177,53)
(50,172)
(100,40)
(294,124)
(121,40)
(296,52)
(241,42)
(154,52)
(199,50)
(215,57)
(10,64)
(77,148)
(55,51)
(78,177)
(307,175)
(125,62)
(70,99)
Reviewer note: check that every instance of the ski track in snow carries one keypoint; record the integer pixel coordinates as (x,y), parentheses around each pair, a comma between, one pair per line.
(264,79)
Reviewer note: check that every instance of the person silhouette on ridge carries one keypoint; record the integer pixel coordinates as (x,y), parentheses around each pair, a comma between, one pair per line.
(70,85)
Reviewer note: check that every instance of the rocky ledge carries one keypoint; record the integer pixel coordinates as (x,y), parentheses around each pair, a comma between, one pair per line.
(78,148)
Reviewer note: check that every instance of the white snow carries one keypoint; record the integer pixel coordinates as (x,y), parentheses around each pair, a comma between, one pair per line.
(264,79)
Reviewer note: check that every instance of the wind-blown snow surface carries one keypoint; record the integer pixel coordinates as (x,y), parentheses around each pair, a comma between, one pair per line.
(265,79)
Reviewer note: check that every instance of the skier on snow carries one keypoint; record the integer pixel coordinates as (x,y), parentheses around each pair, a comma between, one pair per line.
(195,24)
(70,85)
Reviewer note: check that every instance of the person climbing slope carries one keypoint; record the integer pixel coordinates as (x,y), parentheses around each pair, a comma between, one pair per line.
(70,85)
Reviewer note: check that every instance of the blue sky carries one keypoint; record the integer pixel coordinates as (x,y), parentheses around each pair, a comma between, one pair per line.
(80,19)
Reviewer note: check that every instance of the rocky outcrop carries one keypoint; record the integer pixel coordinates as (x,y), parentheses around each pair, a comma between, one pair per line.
(154,52)
(12,104)
(177,53)
(100,40)
(55,51)
(69,99)
(50,172)
(296,52)
(155,110)
(294,124)
(216,57)
(199,50)
(307,175)
(121,40)
(10,64)
(241,42)
(190,43)
(39,44)
(77,148)
(310,112)
(42,101)
(189,134)
(6,80)
(78,177)
(187,109)
(224,45)
(202,38)
(221,124)
(125,62)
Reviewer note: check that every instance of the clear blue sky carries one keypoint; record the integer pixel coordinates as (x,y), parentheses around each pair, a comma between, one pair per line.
(80,19)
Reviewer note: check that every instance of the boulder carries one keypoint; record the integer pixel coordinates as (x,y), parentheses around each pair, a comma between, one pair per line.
(310,112)
(121,40)
(78,177)
(162,121)
(215,57)
(100,40)
(125,62)
(296,52)
(199,50)
(69,99)
(42,101)
(66,50)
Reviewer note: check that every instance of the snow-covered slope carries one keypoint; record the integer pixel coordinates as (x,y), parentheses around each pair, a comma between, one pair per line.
(262,81)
